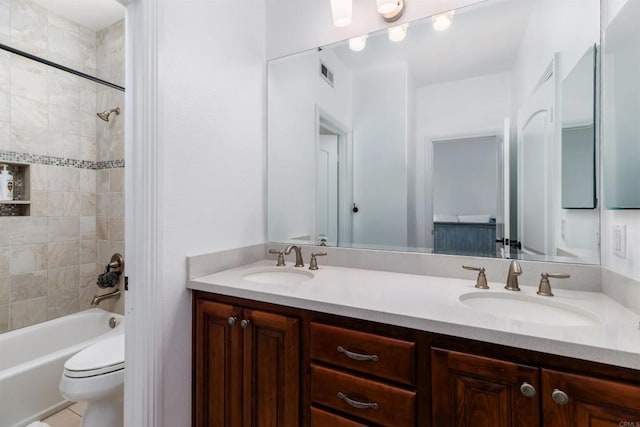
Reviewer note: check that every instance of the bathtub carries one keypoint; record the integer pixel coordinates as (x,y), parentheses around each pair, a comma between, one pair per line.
(32,360)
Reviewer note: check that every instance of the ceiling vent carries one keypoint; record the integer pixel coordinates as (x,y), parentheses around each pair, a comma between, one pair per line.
(326,74)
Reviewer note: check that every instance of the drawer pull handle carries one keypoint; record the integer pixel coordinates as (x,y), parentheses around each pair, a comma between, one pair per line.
(356,404)
(357,356)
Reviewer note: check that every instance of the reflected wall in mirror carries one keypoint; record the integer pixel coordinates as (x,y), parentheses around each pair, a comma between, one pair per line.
(621,108)
(414,145)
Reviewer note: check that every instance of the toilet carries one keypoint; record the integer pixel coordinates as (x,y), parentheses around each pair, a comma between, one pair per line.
(96,375)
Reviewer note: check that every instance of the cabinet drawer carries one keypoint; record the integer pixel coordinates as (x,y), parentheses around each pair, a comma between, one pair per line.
(395,406)
(320,418)
(394,359)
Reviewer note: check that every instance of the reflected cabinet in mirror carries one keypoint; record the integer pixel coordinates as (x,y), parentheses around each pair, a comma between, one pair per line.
(476,140)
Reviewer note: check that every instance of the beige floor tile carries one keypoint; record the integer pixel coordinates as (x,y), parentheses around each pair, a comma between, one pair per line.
(79,408)
(64,418)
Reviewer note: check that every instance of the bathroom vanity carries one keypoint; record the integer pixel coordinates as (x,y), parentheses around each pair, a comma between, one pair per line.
(353,347)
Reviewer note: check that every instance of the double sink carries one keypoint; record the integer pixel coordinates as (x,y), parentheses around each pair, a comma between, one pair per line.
(508,305)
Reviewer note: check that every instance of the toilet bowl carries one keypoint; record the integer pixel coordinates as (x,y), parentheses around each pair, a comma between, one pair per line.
(96,376)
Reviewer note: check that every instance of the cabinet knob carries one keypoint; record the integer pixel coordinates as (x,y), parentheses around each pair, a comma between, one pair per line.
(527,390)
(245,323)
(232,320)
(560,397)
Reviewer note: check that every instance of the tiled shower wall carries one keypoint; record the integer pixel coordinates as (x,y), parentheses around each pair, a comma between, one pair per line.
(49,260)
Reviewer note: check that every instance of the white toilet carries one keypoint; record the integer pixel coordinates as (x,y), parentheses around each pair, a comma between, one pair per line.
(96,376)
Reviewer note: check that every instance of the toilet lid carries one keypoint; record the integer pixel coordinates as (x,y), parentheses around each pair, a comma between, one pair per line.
(100,358)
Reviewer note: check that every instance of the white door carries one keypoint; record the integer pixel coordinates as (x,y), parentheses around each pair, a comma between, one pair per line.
(327,194)
(535,171)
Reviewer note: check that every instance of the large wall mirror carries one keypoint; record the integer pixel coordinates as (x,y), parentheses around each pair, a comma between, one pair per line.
(460,141)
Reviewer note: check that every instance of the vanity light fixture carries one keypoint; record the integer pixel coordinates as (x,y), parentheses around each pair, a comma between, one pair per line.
(443,21)
(357,44)
(391,10)
(398,33)
(341,10)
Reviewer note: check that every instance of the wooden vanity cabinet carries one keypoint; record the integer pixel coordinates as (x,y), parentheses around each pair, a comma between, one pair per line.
(470,391)
(363,375)
(582,401)
(246,367)
(286,366)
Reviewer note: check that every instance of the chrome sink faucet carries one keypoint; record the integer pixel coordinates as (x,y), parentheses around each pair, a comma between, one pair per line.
(299,262)
(512,276)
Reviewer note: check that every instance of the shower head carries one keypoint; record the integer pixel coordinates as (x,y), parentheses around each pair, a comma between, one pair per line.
(105,114)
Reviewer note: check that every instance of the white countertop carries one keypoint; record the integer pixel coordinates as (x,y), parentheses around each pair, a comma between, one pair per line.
(432,304)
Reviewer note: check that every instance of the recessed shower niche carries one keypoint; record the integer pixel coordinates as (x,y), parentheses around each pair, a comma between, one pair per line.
(21,203)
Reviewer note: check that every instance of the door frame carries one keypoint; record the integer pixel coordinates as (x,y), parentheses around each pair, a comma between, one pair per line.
(144,346)
(345,173)
(427,172)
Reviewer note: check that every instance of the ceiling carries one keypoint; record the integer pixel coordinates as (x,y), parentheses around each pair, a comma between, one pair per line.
(92,14)
(483,39)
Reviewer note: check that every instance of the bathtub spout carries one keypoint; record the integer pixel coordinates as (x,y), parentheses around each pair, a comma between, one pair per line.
(96,299)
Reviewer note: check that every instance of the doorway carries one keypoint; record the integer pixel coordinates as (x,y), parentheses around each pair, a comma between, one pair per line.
(333,183)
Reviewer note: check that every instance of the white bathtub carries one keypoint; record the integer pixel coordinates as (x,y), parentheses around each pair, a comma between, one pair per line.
(32,360)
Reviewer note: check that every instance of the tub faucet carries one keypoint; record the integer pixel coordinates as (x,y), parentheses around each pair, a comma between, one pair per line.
(512,276)
(299,262)
(96,299)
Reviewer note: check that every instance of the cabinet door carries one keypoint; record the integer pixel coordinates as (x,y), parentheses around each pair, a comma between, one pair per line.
(271,370)
(589,402)
(474,391)
(218,366)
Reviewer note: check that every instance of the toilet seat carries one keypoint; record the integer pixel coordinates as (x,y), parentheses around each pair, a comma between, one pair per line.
(100,358)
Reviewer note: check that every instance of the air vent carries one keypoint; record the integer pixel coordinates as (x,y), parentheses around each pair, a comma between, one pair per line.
(326,74)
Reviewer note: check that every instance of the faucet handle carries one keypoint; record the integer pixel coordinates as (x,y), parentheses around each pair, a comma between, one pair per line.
(544,288)
(313,264)
(280,257)
(481,281)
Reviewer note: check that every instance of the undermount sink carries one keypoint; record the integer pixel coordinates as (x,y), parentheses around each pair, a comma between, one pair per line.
(278,275)
(540,310)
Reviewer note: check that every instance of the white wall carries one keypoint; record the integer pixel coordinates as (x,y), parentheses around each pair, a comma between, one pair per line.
(548,33)
(212,132)
(454,109)
(295,89)
(379,152)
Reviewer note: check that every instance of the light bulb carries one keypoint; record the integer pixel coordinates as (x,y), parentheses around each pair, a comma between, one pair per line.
(341,10)
(443,21)
(398,33)
(387,6)
(357,44)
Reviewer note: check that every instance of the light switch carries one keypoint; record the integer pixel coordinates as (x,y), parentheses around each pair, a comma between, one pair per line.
(620,240)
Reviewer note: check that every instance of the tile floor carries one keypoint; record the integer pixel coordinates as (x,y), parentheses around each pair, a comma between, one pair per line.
(68,417)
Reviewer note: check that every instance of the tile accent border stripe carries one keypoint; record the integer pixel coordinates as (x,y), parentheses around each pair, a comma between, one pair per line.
(14,156)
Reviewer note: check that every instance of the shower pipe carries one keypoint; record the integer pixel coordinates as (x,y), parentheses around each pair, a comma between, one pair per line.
(60,67)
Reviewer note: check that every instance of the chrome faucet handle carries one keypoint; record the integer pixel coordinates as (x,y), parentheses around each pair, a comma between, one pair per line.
(280,257)
(481,281)
(545,286)
(299,261)
(512,276)
(313,264)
